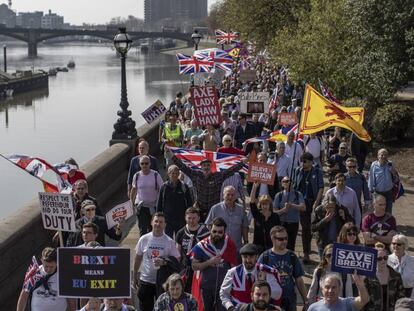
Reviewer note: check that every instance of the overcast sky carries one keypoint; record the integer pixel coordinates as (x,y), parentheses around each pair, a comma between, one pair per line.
(89,11)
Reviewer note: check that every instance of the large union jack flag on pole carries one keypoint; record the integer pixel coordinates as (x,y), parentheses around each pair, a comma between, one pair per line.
(219,161)
(220,58)
(192,64)
(223,37)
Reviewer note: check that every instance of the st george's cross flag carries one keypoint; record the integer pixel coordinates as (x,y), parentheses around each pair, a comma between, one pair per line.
(221,59)
(219,161)
(223,37)
(52,179)
(193,64)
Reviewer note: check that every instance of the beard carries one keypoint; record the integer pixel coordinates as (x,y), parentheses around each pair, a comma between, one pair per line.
(260,305)
(216,239)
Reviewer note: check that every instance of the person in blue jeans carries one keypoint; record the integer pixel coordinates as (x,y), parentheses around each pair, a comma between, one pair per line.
(289,267)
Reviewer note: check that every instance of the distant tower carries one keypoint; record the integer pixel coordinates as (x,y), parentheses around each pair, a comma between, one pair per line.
(10,4)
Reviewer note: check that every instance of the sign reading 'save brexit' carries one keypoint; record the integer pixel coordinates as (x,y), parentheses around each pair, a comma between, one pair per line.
(57,211)
(348,258)
(206,106)
(94,272)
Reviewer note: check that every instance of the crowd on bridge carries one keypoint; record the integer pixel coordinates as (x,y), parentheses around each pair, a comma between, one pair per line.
(194,250)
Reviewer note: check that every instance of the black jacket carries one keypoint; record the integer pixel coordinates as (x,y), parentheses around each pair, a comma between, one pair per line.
(320,228)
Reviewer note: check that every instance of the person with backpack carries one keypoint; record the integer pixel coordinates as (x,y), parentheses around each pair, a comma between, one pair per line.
(315,145)
(173,200)
(289,267)
(288,204)
(378,226)
(357,182)
(40,288)
(146,185)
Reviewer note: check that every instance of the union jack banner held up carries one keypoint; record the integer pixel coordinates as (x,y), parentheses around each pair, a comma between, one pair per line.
(193,64)
(223,37)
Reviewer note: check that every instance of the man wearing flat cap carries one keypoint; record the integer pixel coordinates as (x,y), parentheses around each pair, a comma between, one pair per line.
(238,282)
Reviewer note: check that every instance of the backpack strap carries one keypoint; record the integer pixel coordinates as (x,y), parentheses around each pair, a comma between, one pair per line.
(292,257)
(266,257)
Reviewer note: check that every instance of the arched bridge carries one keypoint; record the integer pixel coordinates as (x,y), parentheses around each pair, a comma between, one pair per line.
(34,36)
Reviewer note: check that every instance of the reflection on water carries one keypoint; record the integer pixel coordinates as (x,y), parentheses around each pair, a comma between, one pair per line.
(75,117)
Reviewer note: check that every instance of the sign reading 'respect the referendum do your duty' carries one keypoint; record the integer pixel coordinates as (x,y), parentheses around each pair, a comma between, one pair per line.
(348,258)
(57,211)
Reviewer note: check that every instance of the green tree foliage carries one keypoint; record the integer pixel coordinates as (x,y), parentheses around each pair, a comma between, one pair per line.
(392,121)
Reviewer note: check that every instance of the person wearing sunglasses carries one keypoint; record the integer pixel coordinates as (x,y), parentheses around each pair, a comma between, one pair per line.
(324,266)
(403,263)
(387,287)
(357,182)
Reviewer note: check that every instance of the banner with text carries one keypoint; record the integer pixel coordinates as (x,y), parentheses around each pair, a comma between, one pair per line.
(253,102)
(288,118)
(262,173)
(153,112)
(57,211)
(206,105)
(119,212)
(347,258)
(94,272)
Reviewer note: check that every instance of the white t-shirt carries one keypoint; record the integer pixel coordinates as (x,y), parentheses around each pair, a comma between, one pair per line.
(43,300)
(314,146)
(150,247)
(147,189)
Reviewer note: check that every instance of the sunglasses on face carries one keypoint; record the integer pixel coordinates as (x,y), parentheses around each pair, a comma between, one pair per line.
(281,239)
(351,234)
(144,163)
(382,258)
(398,244)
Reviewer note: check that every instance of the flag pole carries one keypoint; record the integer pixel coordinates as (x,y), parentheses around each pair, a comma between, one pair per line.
(294,149)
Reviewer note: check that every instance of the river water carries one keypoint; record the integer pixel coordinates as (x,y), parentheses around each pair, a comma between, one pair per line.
(75,117)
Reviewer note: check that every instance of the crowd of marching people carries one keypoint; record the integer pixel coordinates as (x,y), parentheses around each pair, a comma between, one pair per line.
(195,251)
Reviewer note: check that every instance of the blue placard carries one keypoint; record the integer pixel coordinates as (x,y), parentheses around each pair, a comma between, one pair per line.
(348,258)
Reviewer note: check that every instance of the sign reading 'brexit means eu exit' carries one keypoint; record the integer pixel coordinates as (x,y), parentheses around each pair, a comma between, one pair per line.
(348,258)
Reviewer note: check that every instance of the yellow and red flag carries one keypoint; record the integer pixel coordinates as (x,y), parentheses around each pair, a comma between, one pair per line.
(320,113)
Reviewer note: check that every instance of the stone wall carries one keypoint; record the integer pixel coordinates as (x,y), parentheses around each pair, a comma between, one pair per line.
(22,234)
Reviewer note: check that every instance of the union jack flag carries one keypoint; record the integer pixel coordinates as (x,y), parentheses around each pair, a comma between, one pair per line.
(327,93)
(219,161)
(220,58)
(192,64)
(32,275)
(223,37)
(274,100)
(38,168)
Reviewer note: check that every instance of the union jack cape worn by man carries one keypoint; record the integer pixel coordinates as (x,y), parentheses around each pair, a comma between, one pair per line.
(206,248)
(219,161)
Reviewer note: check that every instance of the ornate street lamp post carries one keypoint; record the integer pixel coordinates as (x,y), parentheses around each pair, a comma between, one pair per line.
(124,126)
(196,37)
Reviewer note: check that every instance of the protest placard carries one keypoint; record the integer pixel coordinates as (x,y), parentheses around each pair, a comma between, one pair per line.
(348,258)
(206,106)
(288,118)
(253,102)
(153,112)
(247,75)
(119,212)
(94,272)
(57,211)
(262,173)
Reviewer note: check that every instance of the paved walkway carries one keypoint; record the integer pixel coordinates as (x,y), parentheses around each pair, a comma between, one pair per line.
(403,211)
